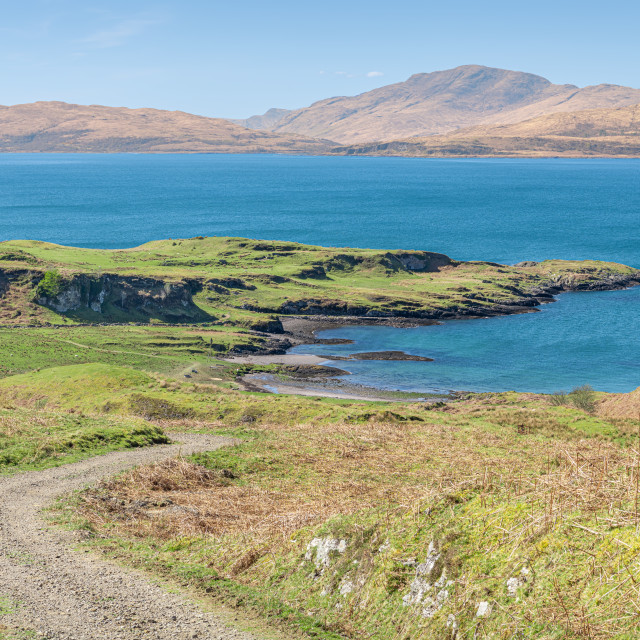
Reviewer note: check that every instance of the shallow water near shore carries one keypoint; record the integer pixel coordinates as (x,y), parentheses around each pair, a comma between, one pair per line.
(582,338)
(500,210)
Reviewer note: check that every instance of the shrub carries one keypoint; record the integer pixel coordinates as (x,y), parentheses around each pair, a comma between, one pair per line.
(559,398)
(584,398)
(50,285)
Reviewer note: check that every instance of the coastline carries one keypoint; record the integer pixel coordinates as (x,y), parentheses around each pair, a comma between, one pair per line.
(331,383)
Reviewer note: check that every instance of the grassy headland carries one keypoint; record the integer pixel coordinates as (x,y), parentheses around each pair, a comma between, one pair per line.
(242,282)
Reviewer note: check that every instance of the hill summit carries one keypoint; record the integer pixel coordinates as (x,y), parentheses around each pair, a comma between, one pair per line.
(443,101)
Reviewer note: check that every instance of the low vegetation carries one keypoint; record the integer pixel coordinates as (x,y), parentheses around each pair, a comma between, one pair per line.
(528,507)
(487,515)
(583,397)
(247,283)
(36,438)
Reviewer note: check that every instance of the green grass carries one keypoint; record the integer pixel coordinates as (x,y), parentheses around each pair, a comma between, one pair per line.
(207,398)
(241,281)
(498,482)
(149,348)
(37,439)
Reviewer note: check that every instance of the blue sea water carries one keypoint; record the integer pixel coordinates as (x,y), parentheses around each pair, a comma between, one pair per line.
(500,210)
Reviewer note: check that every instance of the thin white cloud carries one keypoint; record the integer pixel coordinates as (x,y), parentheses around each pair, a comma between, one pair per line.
(374,74)
(117,35)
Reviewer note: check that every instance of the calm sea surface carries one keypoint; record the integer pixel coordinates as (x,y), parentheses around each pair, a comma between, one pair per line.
(499,210)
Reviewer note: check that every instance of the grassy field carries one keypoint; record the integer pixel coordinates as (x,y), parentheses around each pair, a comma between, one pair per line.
(150,348)
(486,516)
(36,438)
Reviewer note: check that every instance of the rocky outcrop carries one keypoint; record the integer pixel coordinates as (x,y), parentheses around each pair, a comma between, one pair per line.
(126,297)
(391,261)
(524,300)
(11,277)
(430,587)
(422,260)
(322,551)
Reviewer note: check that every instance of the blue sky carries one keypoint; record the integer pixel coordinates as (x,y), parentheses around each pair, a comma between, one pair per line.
(235,59)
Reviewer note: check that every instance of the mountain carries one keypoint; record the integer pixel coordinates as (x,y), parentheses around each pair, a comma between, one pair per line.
(440,102)
(266,121)
(592,132)
(62,127)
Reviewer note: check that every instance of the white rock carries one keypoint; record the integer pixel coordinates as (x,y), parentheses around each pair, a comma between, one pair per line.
(417,591)
(346,587)
(513,584)
(385,546)
(435,604)
(484,610)
(421,589)
(323,548)
(425,568)
(452,624)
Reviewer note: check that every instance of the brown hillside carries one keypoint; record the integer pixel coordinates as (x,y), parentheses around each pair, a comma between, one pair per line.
(266,121)
(60,127)
(621,405)
(594,132)
(443,101)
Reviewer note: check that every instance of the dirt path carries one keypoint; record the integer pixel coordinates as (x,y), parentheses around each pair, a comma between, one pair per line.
(73,595)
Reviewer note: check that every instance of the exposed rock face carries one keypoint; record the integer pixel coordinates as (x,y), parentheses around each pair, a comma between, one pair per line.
(526,299)
(9,277)
(422,260)
(392,261)
(115,295)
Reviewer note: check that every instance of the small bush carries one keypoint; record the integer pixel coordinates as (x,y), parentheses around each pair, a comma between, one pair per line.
(559,398)
(584,398)
(50,285)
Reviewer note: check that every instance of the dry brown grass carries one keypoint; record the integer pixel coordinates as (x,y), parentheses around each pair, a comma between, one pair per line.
(621,405)
(307,473)
(570,503)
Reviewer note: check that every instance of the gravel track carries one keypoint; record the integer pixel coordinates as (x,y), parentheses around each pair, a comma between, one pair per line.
(65,594)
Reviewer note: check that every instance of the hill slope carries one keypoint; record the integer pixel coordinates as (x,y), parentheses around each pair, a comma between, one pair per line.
(592,132)
(264,122)
(439,102)
(62,127)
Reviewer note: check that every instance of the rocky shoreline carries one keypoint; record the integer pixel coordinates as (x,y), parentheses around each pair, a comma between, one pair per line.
(292,330)
(300,330)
